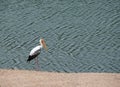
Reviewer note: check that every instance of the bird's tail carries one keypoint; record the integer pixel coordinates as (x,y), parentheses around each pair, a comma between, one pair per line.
(29,58)
(32,57)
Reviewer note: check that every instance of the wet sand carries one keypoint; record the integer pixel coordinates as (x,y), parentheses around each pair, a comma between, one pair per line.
(24,78)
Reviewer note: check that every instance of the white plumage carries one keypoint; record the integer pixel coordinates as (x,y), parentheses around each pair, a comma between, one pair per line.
(36,51)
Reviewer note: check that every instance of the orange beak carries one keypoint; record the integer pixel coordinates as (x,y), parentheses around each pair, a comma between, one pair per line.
(44,44)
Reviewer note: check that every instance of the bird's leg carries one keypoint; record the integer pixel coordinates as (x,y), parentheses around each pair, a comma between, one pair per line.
(37,64)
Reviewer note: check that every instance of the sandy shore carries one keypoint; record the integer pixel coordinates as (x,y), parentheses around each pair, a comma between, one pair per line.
(24,78)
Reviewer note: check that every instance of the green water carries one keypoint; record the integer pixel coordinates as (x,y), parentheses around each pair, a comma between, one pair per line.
(82,35)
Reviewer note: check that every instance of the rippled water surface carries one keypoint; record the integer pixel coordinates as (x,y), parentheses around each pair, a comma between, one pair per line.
(82,35)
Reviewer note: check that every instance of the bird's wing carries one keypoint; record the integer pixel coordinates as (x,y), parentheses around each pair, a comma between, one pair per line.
(35,50)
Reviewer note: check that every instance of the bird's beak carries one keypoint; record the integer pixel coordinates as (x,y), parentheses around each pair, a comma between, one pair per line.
(44,46)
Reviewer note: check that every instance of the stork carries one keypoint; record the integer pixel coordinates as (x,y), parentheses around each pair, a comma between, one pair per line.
(36,51)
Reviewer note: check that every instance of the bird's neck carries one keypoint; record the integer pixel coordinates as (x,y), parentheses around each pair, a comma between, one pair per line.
(41,46)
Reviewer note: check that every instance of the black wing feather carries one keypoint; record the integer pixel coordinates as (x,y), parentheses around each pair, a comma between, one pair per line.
(32,57)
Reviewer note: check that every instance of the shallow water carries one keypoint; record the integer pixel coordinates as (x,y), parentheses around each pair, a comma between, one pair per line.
(82,35)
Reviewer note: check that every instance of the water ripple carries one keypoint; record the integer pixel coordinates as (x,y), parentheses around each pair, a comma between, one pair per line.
(82,36)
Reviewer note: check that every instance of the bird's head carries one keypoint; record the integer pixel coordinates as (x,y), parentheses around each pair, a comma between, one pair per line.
(43,44)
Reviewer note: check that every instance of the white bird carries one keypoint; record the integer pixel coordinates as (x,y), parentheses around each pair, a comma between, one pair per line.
(36,51)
